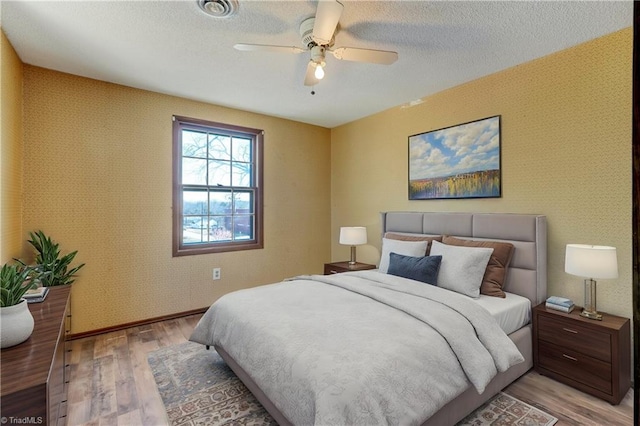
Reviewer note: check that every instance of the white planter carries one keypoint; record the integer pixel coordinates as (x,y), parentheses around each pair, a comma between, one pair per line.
(16,324)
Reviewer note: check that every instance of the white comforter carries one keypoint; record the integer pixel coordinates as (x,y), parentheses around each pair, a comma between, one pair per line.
(358,348)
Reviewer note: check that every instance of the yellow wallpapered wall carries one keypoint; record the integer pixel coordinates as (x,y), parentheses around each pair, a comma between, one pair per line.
(11,152)
(98,179)
(566,153)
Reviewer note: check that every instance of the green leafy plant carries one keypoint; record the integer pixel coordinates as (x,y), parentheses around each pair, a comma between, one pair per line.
(53,267)
(15,280)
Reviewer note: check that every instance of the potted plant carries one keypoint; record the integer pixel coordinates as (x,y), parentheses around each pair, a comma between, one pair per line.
(55,268)
(16,321)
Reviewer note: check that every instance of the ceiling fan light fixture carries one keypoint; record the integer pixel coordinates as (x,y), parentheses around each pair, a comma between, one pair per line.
(318,35)
(219,8)
(319,72)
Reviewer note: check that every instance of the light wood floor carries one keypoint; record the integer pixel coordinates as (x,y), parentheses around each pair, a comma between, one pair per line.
(112,384)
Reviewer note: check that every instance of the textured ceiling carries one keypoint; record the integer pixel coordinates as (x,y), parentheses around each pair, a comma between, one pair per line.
(172,47)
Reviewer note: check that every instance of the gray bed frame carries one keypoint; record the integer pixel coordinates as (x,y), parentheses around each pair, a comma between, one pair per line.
(527,276)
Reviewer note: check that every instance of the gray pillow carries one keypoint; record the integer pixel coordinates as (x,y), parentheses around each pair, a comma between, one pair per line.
(423,268)
(408,248)
(462,268)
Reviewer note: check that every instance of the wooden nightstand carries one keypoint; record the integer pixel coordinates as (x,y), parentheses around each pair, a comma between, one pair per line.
(338,267)
(593,356)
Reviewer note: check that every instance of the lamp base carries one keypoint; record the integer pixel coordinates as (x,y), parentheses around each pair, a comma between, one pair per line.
(352,261)
(591,315)
(589,310)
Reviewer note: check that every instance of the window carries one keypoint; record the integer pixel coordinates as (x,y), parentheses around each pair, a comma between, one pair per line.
(217,187)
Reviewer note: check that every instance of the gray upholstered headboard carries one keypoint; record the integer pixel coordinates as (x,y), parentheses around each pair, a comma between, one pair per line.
(527,275)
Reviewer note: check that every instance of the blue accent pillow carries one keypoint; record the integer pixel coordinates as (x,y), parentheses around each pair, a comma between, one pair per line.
(423,269)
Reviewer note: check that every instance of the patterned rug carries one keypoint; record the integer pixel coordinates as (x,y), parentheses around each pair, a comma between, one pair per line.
(198,388)
(505,410)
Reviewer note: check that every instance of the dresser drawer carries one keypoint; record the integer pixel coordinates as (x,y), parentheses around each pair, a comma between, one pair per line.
(590,342)
(575,365)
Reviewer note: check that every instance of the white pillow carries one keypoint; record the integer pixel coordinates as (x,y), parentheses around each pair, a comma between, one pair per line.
(462,268)
(407,248)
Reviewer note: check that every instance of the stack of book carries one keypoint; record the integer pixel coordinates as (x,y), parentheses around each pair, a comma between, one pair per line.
(560,304)
(36,295)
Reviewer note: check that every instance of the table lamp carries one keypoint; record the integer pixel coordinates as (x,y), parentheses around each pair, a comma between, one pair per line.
(591,262)
(353,236)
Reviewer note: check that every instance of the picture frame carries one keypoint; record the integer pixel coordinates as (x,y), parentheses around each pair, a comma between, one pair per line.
(461,161)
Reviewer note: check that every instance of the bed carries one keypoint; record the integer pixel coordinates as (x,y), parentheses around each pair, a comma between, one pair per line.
(311,349)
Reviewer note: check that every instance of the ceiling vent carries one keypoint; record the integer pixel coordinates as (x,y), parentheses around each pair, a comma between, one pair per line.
(219,8)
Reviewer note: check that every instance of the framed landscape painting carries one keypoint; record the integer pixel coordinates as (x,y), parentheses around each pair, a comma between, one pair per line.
(461,161)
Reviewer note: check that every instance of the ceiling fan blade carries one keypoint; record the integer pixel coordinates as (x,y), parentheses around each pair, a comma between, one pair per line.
(383,57)
(327,17)
(310,77)
(268,48)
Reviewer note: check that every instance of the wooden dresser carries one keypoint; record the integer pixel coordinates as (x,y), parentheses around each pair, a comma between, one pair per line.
(34,373)
(590,355)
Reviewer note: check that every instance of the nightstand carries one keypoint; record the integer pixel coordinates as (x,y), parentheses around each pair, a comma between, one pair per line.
(338,267)
(592,356)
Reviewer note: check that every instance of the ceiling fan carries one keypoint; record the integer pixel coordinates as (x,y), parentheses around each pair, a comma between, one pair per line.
(318,36)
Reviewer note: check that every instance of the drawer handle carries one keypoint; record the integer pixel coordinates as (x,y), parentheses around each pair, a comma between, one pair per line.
(333,272)
(569,357)
(570,330)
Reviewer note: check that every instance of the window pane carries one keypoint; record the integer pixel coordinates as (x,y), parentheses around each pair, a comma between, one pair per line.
(219,147)
(220,202)
(243,202)
(243,227)
(241,174)
(194,172)
(194,229)
(219,173)
(194,203)
(242,149)
(220,228)
(194,144)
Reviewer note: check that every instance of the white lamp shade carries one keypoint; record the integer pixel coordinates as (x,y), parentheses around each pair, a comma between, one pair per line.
(591,261)
(353,235)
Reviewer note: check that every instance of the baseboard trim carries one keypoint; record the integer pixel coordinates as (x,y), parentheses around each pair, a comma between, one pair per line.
(99,331)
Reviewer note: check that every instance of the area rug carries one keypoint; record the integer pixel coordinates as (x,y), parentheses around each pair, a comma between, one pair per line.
(505,410)
(198,388)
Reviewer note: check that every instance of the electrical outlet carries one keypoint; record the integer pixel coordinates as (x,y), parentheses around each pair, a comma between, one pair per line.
(216,273)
